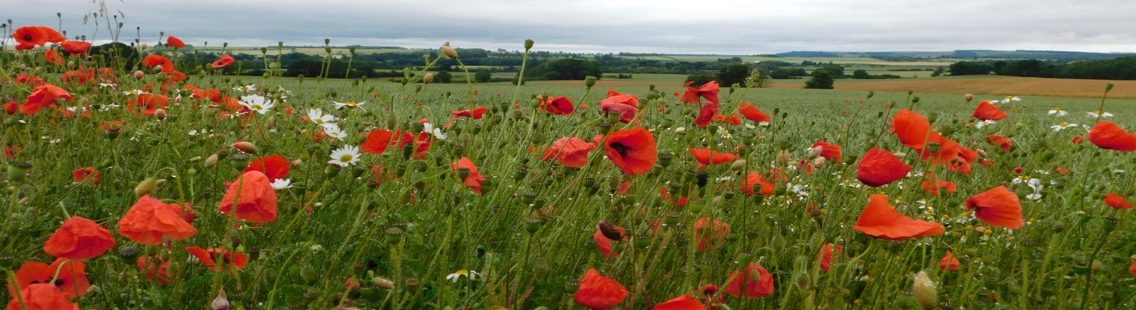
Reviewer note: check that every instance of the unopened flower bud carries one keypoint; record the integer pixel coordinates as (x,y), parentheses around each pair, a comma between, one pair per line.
(819,161)
(589,81)
(610,232)
(138,74)
(783,157)
(449,51)
(529,44)
(383,283)
(245,146)
(925,291)
(221,302)
(146,186)
(429,78)
(815,151)
(969,97)
(161,114)
(211,160)
(738,164)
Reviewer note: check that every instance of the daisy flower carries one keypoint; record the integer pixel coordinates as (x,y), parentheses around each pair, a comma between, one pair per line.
(317,117)
(333,130)
(250,88)
(281,184)
(348,104)
(471,274)
(437,132)
(1063,126)
(1098,114)
(257,104)
(1009,99)
(1058,112)
(984,123)
(345,156)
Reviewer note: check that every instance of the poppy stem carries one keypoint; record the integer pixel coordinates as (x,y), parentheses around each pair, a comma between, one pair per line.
(64,208)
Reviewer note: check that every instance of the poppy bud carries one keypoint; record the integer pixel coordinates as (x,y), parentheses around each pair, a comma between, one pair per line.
(449,51)
(529,44)
(383,283)
(145,187)
(533,225)
(815,151)
(915,100)
(610,232)
(969,97)
(160,113)
(589,81)
(817,162)
(245,146)
(138,74)
(665,159)
(211,160)
(738,164)
(221,302)
(429,78)
(783,157)
(925,291)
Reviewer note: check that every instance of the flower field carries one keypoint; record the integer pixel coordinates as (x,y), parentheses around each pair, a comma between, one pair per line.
(158,183)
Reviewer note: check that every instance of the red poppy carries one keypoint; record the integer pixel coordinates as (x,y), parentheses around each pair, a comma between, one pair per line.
(377,142)
(473,178)
(632,150)
(988,112)
(148,104)
(216,259)
(150,221)
(72,280)
(273,166)
(599,292)
(1117,201)
(940,150)
(949,262)
(154,60)
(880,167)
(253,198)
(731,119)
(829,151)
(626,105)
(684,302)
(708,91)
(475,113)
(706,113)
(881,220)
(934,187)
(826,253)
(76,47)
(1077,140)
(175,42)
(913,129)
(706,157)
(79,76)
(603,243)
(79,238)
(154,269)
(1001,141)
(998,207)
(53,57)
(1109,135)
(711,233)
(558,105)
(752,113)
(571,152)
(223,61)
(43,96)
(377,177)
(754,179)
(1132,268)
(753,281)
(28,37)
(29,79)
(41,297)
(86,174)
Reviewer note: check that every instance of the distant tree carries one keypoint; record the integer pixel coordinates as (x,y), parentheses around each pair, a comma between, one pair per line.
(567,69)
(821,79)
(861,74)
(733,74)
(700,78)
(837,71)
(483,76)
(443,77)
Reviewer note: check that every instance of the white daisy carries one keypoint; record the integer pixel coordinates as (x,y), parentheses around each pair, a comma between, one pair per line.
(1058,112)
(345,156)
(1097,114)
(471,274)
(333,130)
(1009,99)
(348,104)
(281,184)
(984,123)
(133,92)
(1063,126)
(1034,196)
(317,117)
(107,85)
(257,104)
(248,89)
(437,132)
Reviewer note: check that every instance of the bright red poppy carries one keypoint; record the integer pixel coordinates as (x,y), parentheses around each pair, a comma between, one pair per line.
(154,60)
(148,104)
(752,113)
(472,177)
(223,61)
(949,262)
(913,129)
(253,198)
(706,113)
(28,37)
(86,174)
(826,254)
(940,150)
(632,150)
(1108,135)
(626,105)
(830,151)
(175,42)
(475,113)
(79,238)
(72,280)
(273,166)
(43,96)
(684,302)
(710,233)
(1117,201)
(377,142)
(1001,141)
(753,281)
(560,105)
(218,259)
(998,207)
(708,91)
(52,56)
(598,292)
(41,297)
(76,47)
(880,167)
(571,152)
(755,180)
(149,221)
(706,157)
(988,112)
(881,220)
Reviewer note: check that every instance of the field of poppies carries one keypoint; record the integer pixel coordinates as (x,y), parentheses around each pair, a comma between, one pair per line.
(157,185)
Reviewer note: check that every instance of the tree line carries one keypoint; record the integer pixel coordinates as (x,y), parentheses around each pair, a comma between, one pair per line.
(1122,68)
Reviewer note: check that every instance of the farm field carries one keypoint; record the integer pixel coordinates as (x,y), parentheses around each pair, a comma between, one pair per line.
(157,185)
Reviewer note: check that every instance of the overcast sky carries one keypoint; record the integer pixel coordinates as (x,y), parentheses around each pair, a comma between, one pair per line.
(691,26)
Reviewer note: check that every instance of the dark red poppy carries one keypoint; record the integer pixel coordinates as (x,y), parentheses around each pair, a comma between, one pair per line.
(603,243)
(753,281)
(79,238)
(708,91)
(86,174)
(632,150)
(998,207)
(710,233)
(881,220)
(1117,201)
(880,167)
(472,177)
(988,112)
(571,152)
(706,157)
(72,280)
(223,61)
(41,297)
(598,292)
(43,96)
(377,142)
(1132,268)
(558,105)
(684,302)
(754,180)
(752,113)
(253,198)
(1108,135)
(913,129)
(219,259)
(76,47)
(949,262)
(175,42)
(274,166)
(1001,141)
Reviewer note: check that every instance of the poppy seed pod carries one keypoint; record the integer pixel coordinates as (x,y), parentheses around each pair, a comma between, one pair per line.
(138,74)
(589,81)
(529,44)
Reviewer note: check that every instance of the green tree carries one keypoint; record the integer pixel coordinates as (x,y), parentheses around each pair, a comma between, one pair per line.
(861,74)
(482,76)
(700,78)
(443,77)
(821,79)
(733,74)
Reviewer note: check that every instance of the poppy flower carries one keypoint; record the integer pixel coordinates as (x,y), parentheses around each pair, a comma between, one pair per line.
(29,79)
(560,105)
(571,152)
(754,179)
(599,292)
(154,60)
(1109,135)
(43,96)
(684,302)
(1117,201)
(935,187)
(829,151)
(377,142)
(377,176)
(1001,141)
(708,91)
(72,280)
(632,150)
(880,167)
(913,129)
(86,174)
(154,269)
(706,113)
(998,207)
(1132,268)
(79,238)
(711,233)
(216,259)
(223,61)
(53,57)
(949,262)
(826,253)
(472,178)
(149,221)
(753,281)
(175,42)
(41,297)
(273,166)
(706,157)
(626,105)
(76,47)
(731,119)
(881,220)
(253,198)
(988,112)
(28,37)
(79,76)
(603,242)
(752,113)
(939,150)
(148,104)
(475,113)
